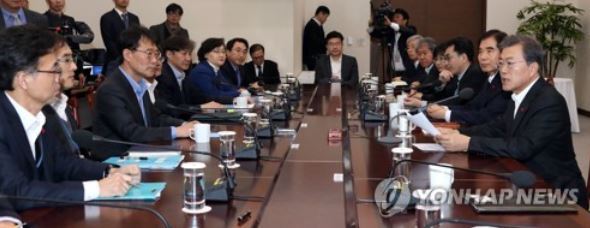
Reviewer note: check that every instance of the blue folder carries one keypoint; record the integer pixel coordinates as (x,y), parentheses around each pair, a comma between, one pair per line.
(166,162)
(142,191)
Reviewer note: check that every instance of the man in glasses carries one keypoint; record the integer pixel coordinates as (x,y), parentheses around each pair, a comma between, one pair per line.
(124,110)
(534,129)
(32,161)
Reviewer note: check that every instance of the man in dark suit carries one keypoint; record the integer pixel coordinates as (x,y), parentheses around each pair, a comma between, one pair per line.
(314,44)
(170,27)
(13,14)
(535,129)
(32,161)
(112,24)
(336,66)
(59,114)
(460,74)
(123,107)
(233,69)
(261,71)
(491,101)
(172,88)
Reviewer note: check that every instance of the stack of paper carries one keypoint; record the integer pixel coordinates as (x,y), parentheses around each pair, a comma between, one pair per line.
(147,161)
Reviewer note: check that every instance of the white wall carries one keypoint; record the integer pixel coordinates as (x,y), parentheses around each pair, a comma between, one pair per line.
(269,22)
(349,17)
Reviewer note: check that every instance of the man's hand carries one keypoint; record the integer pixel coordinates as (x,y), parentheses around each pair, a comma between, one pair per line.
(130,170)
(453,141)
(116,184)
(412,101)
(386,21)
(436,111)
(184,130)
(445,76)
(211,105)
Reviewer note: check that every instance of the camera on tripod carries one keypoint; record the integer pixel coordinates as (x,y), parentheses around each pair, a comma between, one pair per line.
(379,14)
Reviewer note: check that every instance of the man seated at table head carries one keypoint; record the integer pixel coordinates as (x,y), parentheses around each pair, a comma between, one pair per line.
(207,76)
(461,74)
(261,71)
(534,129)
(32,161)
(124,110)
(233,68)
(491,101)
(172,86)
(336,66)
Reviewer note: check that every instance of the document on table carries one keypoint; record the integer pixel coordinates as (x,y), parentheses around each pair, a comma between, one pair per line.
(421,121)
(429,147)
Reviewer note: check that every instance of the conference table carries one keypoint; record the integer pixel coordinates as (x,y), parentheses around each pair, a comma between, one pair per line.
(306,180)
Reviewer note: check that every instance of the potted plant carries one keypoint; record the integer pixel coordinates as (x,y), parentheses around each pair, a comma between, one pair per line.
(557,27)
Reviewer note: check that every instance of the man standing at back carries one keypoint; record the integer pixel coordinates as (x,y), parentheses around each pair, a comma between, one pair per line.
(314,44)
(170,27)
(112,24)
(13,14)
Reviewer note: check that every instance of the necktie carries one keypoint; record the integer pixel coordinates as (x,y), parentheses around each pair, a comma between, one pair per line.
(238,77)
(125,17)
(68,134)
(39,151)
(457,90)
(259,75)
(16,21)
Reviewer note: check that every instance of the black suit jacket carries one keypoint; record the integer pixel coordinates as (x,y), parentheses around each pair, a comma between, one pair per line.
(118,116)
(53,121)
(270,73)
(473,78)
(32,17)
(314,43)
(489,103)
(161,33)
(111,26)
(349,70)
(230,75)
(7,210)
(60,175)
(168,92)
(540,137)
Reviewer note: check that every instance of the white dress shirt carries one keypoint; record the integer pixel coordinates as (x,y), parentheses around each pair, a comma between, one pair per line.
(336,64)
(256,69)
(397,61)
(60,104)
(151,90)
(517,98)
(33,125)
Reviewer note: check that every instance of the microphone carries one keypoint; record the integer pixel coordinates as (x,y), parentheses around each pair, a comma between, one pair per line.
(222,191)
(521,178)
(464,94)
(394,191)
(470,222)
(159,216)
(197,114)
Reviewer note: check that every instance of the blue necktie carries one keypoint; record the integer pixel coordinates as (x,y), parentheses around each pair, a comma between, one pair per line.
(239,80)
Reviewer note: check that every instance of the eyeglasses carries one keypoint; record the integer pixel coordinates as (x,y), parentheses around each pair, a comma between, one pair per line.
(152,54)
(219,51)
(68,59)
(55,70)
(509,64)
